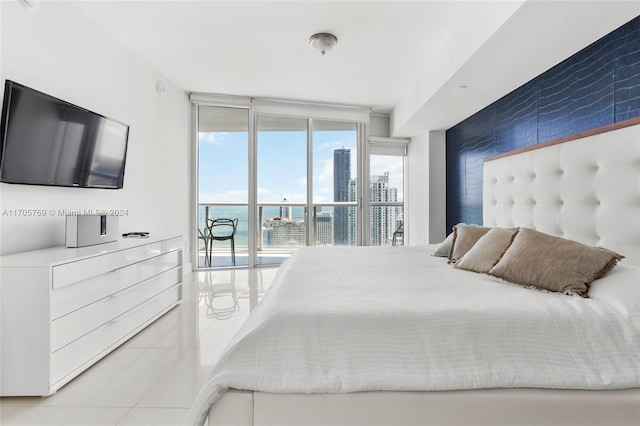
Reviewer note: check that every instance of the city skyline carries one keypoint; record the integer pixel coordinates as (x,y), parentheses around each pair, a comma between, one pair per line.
(282,176)
(227,181)
(285,230)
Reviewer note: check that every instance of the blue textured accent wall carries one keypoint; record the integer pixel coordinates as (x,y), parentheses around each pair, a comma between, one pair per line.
(597,86)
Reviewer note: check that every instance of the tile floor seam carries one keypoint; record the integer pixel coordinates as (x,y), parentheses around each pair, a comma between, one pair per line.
(125,415)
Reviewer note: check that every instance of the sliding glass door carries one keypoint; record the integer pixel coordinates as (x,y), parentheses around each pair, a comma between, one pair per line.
(335,189)
(279,183)
(386,198)
(223,186)
(281,151)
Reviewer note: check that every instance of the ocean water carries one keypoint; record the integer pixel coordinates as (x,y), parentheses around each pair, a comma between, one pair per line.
(242,214)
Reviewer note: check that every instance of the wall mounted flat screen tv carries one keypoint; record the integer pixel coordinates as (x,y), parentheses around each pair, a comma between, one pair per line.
(47,141)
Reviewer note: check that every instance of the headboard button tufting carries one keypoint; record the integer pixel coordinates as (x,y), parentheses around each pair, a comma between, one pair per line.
(584,189)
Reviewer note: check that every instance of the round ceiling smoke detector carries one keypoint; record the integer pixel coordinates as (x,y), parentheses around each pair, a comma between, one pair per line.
(323,42)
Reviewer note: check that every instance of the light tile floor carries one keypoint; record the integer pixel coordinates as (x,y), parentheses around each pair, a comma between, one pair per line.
(153,378)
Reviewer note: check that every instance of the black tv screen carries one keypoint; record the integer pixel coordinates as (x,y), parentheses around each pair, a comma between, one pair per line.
(47,141)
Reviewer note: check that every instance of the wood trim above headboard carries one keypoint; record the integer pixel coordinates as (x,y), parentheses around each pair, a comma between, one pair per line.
(579,135)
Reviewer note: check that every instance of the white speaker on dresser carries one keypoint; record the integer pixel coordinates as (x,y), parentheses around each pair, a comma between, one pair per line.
(83,230)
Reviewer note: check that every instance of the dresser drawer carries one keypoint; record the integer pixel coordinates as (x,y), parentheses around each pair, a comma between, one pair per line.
(83,352)
(70,327)
(73,297)
(73,272)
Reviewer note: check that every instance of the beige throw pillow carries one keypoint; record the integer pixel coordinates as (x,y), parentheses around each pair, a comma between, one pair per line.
(553,263)
(464,237)
(487,251)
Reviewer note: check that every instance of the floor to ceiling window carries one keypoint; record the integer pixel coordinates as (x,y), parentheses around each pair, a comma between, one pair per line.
(386,191)
(223,182)
(285,180)
(335,194)
(281,187)
(386,197)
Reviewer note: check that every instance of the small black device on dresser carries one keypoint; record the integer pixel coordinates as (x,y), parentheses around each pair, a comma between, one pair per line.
(136,235)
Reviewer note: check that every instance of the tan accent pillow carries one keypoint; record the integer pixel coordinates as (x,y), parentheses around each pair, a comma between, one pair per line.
(553,263)
(487,251)
(464,237)
(444,248)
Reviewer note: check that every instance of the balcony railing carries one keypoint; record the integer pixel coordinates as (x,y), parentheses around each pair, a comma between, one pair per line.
(283,227)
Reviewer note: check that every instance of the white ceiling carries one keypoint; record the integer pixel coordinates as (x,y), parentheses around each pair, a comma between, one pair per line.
(400,56)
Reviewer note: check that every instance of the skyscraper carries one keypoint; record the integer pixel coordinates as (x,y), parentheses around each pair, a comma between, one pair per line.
(284,232)
(384,219)
(286,212)
(324,229)
(352,219)
(341,178)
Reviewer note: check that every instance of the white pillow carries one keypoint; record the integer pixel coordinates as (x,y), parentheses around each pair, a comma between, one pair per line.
(487,251)
(445,247)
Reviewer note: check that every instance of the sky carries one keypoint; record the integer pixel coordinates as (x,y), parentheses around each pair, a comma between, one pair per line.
(223,165)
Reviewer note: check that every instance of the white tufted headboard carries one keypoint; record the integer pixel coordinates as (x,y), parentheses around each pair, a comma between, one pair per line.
(587,190)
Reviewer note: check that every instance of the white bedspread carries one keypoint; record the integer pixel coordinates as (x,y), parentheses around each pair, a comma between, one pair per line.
(371,318)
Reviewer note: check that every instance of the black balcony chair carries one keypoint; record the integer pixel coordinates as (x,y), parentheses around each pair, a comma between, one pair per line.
(398,233)
(223,230)
(205,236)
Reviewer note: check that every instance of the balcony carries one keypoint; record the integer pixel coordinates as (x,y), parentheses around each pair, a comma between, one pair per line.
(283,229)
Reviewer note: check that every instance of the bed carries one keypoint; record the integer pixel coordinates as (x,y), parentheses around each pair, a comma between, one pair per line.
(394,336)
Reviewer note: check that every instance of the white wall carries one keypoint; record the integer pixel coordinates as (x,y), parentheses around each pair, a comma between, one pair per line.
(57,51)
(379,125)
(417,200)
(437,187)
(426,200)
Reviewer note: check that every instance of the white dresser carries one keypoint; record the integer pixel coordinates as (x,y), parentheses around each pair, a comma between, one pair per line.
(64,309)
